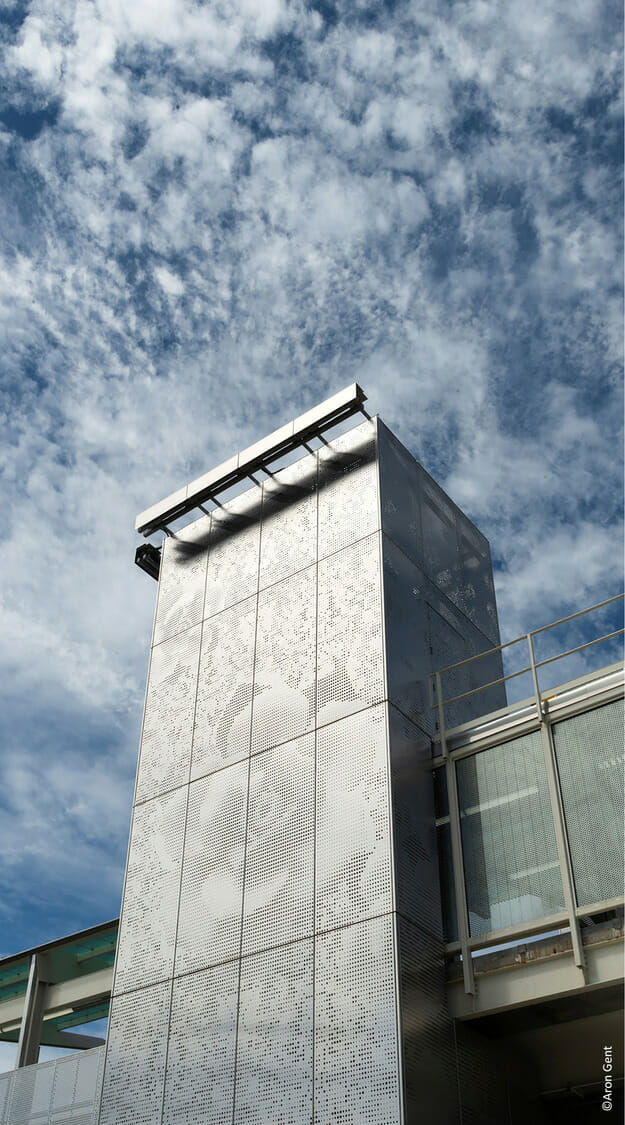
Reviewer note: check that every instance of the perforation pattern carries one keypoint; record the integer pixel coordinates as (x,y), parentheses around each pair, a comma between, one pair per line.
(589,749)
(134,1073)
(428,1045)
(181,581)
(209,926)
(406,625)
(356,1065)
(168,724)
(284,671)
(416,859)
(279,877)
(350,660)
(353,834)
(200,1063)
(53,1093)
(148,923)
(31,1094)
(232,570)
(275,1040)
(400,495)
(289,530)
(348,489)
(224,698)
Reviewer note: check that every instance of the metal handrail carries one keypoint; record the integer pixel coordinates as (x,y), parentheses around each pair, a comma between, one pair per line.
(441,702)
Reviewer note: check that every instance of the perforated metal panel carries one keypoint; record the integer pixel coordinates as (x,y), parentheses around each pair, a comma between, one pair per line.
(148,922)
(5,1090)
(589,751)
(356,1049)
(199,1083)
(353,865)
(414,830)
(350,659)
(31,1094)
(441,553)
(427,1034)
(181,580)
(400,495)
(275,1039)
(477,595)
(284,670)
(408,658)
(289,521)
(134,1071)
(232,570)
(511,864)
(168,724)
(224,698)
(482,1079)
(279,865)
(348,489)
(209,926)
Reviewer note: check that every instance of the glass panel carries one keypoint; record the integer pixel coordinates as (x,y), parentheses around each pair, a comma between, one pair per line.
(510,855)
(589,751)
(443,839)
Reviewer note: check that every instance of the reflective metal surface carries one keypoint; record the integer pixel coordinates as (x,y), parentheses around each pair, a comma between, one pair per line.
(284,809)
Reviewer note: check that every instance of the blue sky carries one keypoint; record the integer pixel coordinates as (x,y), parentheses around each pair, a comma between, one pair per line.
(215,215)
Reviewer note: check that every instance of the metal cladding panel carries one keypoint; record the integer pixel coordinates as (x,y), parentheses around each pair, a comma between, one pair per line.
(348,489)
(289,522)
(199,1082)
(274,1082)
(182,580)
(209,924)
(477,594)
(427,1032)
(353,848)
(279,863)
(452,638)
(169,709)
(350,655)
(589,750)
(482,1079)
(223,713)
(435,535)
(356,1048)
(408,658)
(134,1072)
(232,569)
(400,495)
(441,553)
(148,922)
(284,668)
(414,827)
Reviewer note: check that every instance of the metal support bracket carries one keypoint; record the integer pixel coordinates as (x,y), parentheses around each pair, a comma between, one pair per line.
(34,1008)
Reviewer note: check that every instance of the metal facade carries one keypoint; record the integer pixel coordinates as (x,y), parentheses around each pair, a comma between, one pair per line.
(281,948)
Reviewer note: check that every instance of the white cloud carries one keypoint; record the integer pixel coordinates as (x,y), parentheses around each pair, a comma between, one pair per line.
(241,208)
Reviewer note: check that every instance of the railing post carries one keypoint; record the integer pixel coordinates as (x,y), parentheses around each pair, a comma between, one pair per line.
(557,811)
(460,893)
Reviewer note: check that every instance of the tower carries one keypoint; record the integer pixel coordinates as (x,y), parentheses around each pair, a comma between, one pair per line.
(280,956)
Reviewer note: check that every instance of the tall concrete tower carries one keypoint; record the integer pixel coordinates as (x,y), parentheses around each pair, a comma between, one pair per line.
(280,957)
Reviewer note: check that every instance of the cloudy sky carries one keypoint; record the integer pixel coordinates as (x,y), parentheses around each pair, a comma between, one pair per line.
(217,214)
